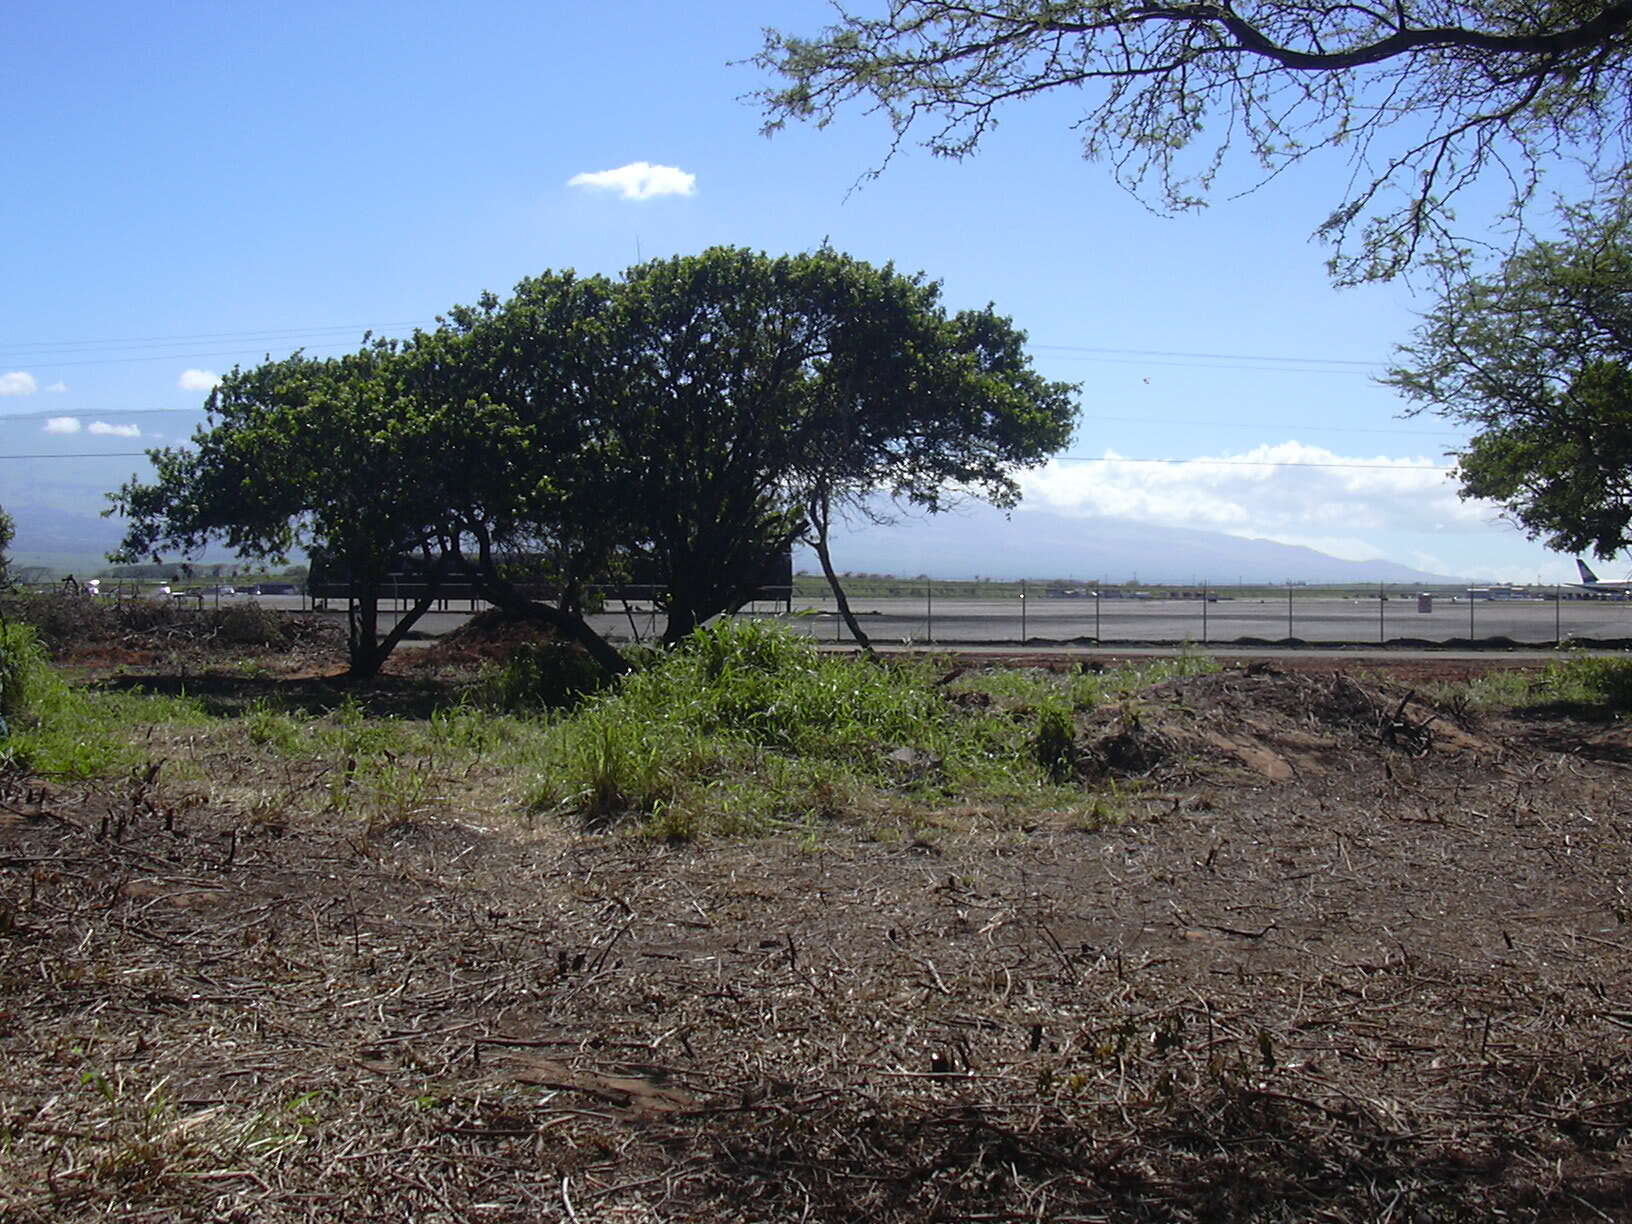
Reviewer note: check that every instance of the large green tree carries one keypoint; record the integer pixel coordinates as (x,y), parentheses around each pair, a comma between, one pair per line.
(463,448)
(766,392)
(917,408)
(332,455)
(1537,361)
(691,419)
(1426,97)
(530,495)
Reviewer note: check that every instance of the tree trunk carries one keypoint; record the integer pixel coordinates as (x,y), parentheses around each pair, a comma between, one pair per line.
(820,518)
(362,633)
(484,576)
(366,650)
(682,620)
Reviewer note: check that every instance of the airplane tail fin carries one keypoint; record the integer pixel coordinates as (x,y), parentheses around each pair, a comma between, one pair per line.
(1587,576)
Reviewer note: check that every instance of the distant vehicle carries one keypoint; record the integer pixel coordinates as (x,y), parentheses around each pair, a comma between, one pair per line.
(274,588)
(221,590)
(1591,582)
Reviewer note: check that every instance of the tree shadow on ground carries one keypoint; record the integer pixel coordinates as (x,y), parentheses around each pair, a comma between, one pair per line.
(230,695)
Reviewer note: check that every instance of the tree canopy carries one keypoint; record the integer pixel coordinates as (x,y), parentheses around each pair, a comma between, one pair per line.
(685,417)
(334,455)
(1537,360)
(1428,97)
(769,388)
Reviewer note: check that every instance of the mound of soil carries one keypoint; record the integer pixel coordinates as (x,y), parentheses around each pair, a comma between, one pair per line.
(490,636)
(1273,725)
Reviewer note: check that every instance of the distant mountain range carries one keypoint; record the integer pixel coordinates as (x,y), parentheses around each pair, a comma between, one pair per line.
(979,541)
(974,541)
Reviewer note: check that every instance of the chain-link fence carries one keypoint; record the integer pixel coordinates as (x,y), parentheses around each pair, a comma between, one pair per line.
(903,612)
(928,614)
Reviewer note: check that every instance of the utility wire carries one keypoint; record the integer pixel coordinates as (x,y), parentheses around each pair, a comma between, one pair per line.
(46,348)
(45,414)
(83,455)
(49,350)
(1126,352)
(1274,463)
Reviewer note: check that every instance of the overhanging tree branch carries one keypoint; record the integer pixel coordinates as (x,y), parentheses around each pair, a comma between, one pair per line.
(1469,84)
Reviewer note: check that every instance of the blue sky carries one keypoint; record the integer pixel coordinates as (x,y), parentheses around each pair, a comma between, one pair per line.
(192,186)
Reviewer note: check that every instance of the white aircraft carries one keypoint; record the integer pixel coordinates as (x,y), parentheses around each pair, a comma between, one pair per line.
(1591,582)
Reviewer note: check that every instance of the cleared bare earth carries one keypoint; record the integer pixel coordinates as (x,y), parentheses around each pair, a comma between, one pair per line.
(1346,957)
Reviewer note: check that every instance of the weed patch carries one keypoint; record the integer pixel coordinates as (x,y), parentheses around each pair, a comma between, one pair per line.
(749,728)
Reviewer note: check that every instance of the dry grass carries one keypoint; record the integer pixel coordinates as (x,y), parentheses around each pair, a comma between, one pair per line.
(1394,985)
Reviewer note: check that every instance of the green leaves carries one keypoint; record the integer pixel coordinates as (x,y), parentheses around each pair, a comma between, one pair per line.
(1426,98)
(1538,361)
(681,419)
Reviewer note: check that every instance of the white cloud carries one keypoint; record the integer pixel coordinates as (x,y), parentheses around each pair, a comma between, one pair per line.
(18,383)
(198,380)
(57,388)
(115,431)
(638,181)
(1288,492)
(61,425)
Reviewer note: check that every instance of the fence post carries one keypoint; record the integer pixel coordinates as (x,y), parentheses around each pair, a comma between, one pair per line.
(1204,612)
(929,611)
(1470,614)
(1289,633)
(1022,611)
(1382,630)
(1558,603)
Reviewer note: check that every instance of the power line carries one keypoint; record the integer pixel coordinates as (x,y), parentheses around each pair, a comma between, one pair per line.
(83,455)
(26,348)
(1303,425)
(237,352)
(49,351)
(1275,463)
(1081,348)
(49,413)
(1148,362)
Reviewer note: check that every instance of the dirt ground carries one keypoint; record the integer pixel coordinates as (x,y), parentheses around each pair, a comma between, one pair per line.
(1344,957)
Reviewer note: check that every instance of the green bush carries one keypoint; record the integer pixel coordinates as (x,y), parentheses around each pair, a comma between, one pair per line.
(752,725)
(1595,680)
(1054,742)
(22,664)
(47,724)
(540,676)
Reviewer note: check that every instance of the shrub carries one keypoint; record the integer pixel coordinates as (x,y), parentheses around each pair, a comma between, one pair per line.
(248,624)
(1054,743)
(540,676)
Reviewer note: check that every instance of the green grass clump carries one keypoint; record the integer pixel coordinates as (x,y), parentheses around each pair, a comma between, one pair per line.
(1604,682)
(540,676)
(56,730)
(748,727)
(1597,686)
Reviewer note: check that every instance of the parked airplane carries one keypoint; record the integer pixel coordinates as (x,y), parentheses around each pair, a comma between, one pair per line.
(1591,582)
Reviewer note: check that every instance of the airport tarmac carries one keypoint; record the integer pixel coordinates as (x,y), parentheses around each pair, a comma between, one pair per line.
(1357,621)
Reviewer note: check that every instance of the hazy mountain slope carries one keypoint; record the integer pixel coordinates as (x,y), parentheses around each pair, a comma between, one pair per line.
(972,541)
(978,540)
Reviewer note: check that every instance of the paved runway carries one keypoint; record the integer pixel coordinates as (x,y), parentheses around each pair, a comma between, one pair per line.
(1361,621)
